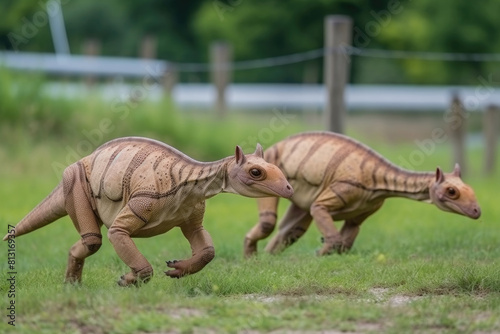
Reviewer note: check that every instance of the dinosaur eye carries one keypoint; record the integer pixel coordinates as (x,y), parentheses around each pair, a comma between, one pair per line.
(255,172)
(452,192)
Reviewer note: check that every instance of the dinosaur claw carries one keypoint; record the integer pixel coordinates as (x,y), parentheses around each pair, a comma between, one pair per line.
(170,274)
(170,263)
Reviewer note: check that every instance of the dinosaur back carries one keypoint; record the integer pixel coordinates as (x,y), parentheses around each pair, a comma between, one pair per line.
(317,157)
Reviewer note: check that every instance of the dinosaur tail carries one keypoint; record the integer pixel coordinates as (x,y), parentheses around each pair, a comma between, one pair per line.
(46,212)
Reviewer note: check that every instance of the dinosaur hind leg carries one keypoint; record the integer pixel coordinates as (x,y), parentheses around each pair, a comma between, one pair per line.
(351,227)
(293,226)
(83,248)
(79,207)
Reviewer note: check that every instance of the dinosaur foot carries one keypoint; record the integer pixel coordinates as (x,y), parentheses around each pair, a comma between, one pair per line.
(73,280)
(74,270)
(331,245)
(178,266)
(136,279)
(250,248)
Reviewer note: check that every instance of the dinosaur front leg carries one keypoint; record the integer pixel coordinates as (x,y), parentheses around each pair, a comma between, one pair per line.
(294,224)
(202,251)
(332,240)
(267,221)
(351,227)
(119,234)
(330,200)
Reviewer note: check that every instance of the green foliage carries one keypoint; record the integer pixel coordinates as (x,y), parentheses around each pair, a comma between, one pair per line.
(253,26)
(77,126)
(24,105)
(445,26)
(259,29)
(99,20)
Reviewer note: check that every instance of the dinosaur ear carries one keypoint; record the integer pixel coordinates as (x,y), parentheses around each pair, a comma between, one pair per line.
(439,175)
(240,157)
(258,151)
(456,170)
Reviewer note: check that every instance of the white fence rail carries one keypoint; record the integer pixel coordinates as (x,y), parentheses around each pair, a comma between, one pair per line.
(294,96)
(83,65)
(151,76)
(244,96)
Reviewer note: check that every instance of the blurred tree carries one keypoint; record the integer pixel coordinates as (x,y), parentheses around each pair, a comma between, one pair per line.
(266,28)
(444,26)
(105,21)
(24,26)
(259,29)
(170,22)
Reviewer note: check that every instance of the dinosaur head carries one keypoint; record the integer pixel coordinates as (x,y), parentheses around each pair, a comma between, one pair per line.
(450,193)
(251,176)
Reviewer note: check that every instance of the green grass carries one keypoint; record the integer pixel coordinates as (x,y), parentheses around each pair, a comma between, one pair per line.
(439,272)
(413,267)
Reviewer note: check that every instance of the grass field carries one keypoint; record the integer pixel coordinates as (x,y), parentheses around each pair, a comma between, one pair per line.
(413,268)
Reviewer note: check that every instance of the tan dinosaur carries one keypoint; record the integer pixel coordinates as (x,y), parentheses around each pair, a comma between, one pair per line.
(140,187)
(337,178)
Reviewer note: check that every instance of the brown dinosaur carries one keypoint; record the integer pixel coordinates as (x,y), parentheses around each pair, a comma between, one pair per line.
(140,187)
(336,178)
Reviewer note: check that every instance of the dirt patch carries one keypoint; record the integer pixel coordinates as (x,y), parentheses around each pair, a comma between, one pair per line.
(184,312)
(280,298)
(327,331)
(380,295)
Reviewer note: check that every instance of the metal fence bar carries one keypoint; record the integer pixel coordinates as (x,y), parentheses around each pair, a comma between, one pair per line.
(83,65)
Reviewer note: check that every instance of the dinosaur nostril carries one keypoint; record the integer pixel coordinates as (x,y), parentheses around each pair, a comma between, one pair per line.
(476,212)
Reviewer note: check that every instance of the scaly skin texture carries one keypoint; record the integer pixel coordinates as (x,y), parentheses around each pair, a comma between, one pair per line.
(139,187)
(337,178)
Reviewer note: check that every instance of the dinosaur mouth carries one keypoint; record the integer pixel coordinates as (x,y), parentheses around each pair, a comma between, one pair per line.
(474,212)
(286,191)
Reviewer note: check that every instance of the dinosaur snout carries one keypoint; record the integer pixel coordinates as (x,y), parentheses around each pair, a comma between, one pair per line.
(474,212)
(287,191)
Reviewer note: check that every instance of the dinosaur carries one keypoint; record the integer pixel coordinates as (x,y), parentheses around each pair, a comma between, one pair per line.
(336,178)
(140,187)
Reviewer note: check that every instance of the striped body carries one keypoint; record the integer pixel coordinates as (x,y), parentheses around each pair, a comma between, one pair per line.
(139,187)
(143,174)
(362,177)
(336,178)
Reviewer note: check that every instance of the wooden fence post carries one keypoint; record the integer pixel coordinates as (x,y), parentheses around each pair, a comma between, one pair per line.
(170,78)
(147,49)
(220,57)
(457,128)
(338,36)
(91,47)
(490,130)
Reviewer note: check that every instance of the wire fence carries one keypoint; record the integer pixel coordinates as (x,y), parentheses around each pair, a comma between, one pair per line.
(346,50)
(78,63)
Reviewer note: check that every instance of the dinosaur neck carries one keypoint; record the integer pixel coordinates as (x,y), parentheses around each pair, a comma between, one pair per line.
(210,179)
(398,182)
